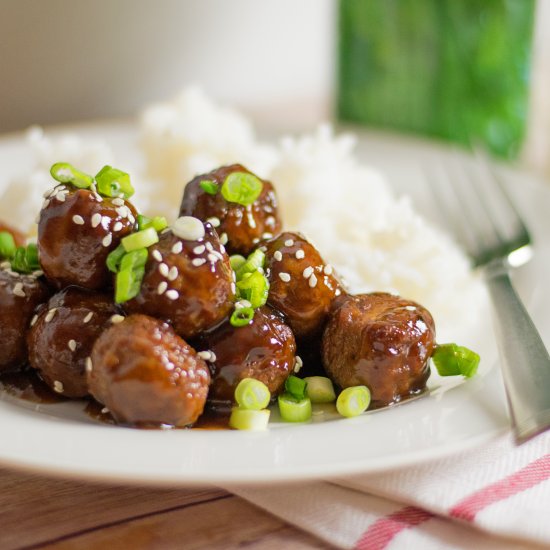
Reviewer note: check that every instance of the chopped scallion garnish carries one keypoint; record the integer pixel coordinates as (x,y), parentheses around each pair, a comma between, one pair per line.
(112,182)
(114,258)
(209,186)
(253,262)
(130,274)
(158,222)
(7,245)
(25,259)
(64,172)
(236,261)
(292,410)
(140,239)
(254,288)
(252,394)
(242,317)
(320,389)
(247,419)
(353,401)
(242,188)
(296,387)
(453,360)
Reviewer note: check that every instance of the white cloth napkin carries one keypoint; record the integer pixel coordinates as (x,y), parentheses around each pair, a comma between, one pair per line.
(496,497)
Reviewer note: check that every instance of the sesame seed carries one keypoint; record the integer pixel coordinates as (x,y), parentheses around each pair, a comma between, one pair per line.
(285,277)
(89,365)
(107,240)
(131,218)
(198,262)
(49,193)
(58,386)
(289,242)
(71,344)
(161,289)
(300,254)
(45,204)
(214,221)
(96,219)
(278,255)
(172,294)
(410,308)
(224,238)
(118,226)
(256,240)
(97,197)
(163,269)
(33,320)
(18,290)
(37,273)
(122,211)
(188,228)
(104,410)
(213,258)
(115,319)
(79,220)
(50,314)
(207,355)
(199,249)
(61,196)
(242,303)
(209,247)
(298,363)
(250,218)
(177,248)
(37,218)
(270,220)
(338,292)
(118,201)
(173,273)
(327,270)
(313,281)
(157,255)
(267,235)
(307,272)
(233,288)
(88,317)
(222,249)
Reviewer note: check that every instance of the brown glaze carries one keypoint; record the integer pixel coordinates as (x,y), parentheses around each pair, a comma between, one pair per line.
(203,293)
(146,375)
(244,226)
(18,237)
(305,302)
(28,385)
(73,253)
(264,349)
(19,297)
(381,341)
(73,318)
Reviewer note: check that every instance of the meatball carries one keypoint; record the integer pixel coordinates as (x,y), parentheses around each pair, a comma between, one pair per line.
(187,281)
(61,339)
(240,227)
(302,286)
(19,297)
(264,349)
(77,229)
(146,375)
(381,341)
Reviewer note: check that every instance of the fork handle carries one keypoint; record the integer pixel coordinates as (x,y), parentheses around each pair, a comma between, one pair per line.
(524,358)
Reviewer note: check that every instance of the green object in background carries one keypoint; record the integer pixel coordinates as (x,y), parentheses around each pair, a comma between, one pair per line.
(454,69)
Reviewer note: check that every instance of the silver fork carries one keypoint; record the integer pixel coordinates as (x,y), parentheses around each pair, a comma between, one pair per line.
(496,239)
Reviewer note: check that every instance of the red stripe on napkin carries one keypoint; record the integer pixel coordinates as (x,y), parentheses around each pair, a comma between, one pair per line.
(382,531)
(529,476)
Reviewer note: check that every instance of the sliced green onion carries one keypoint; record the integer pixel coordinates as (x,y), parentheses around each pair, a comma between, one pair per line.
(25,259)
(66,173)
(236,261)
(452,360)
(158,222)
(296,387)
(253,262)
(353,401)
(252,394)
(242,188)
(140,239)
(114,183)
(242,317)
(292,410)
(247,419)
(254,288)
(209,186)
(128,279)
(320,389)
(32,257)
(7,245)
(114,258)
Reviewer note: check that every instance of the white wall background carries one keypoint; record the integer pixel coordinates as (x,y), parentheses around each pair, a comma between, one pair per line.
(63,60)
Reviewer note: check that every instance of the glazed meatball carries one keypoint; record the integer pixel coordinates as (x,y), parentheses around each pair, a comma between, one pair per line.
(240,227)
(77,229)
(302,286)
(264,349)
(188,280)
(61,338)
(19,297)
(381,341)
(146,375)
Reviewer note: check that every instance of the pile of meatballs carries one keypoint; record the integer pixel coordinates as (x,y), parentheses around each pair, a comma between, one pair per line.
(162,357)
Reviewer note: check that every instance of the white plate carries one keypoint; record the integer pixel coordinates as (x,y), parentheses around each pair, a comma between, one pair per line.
(61,439)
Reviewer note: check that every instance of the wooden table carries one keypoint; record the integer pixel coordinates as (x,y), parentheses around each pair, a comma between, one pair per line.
(42,512)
